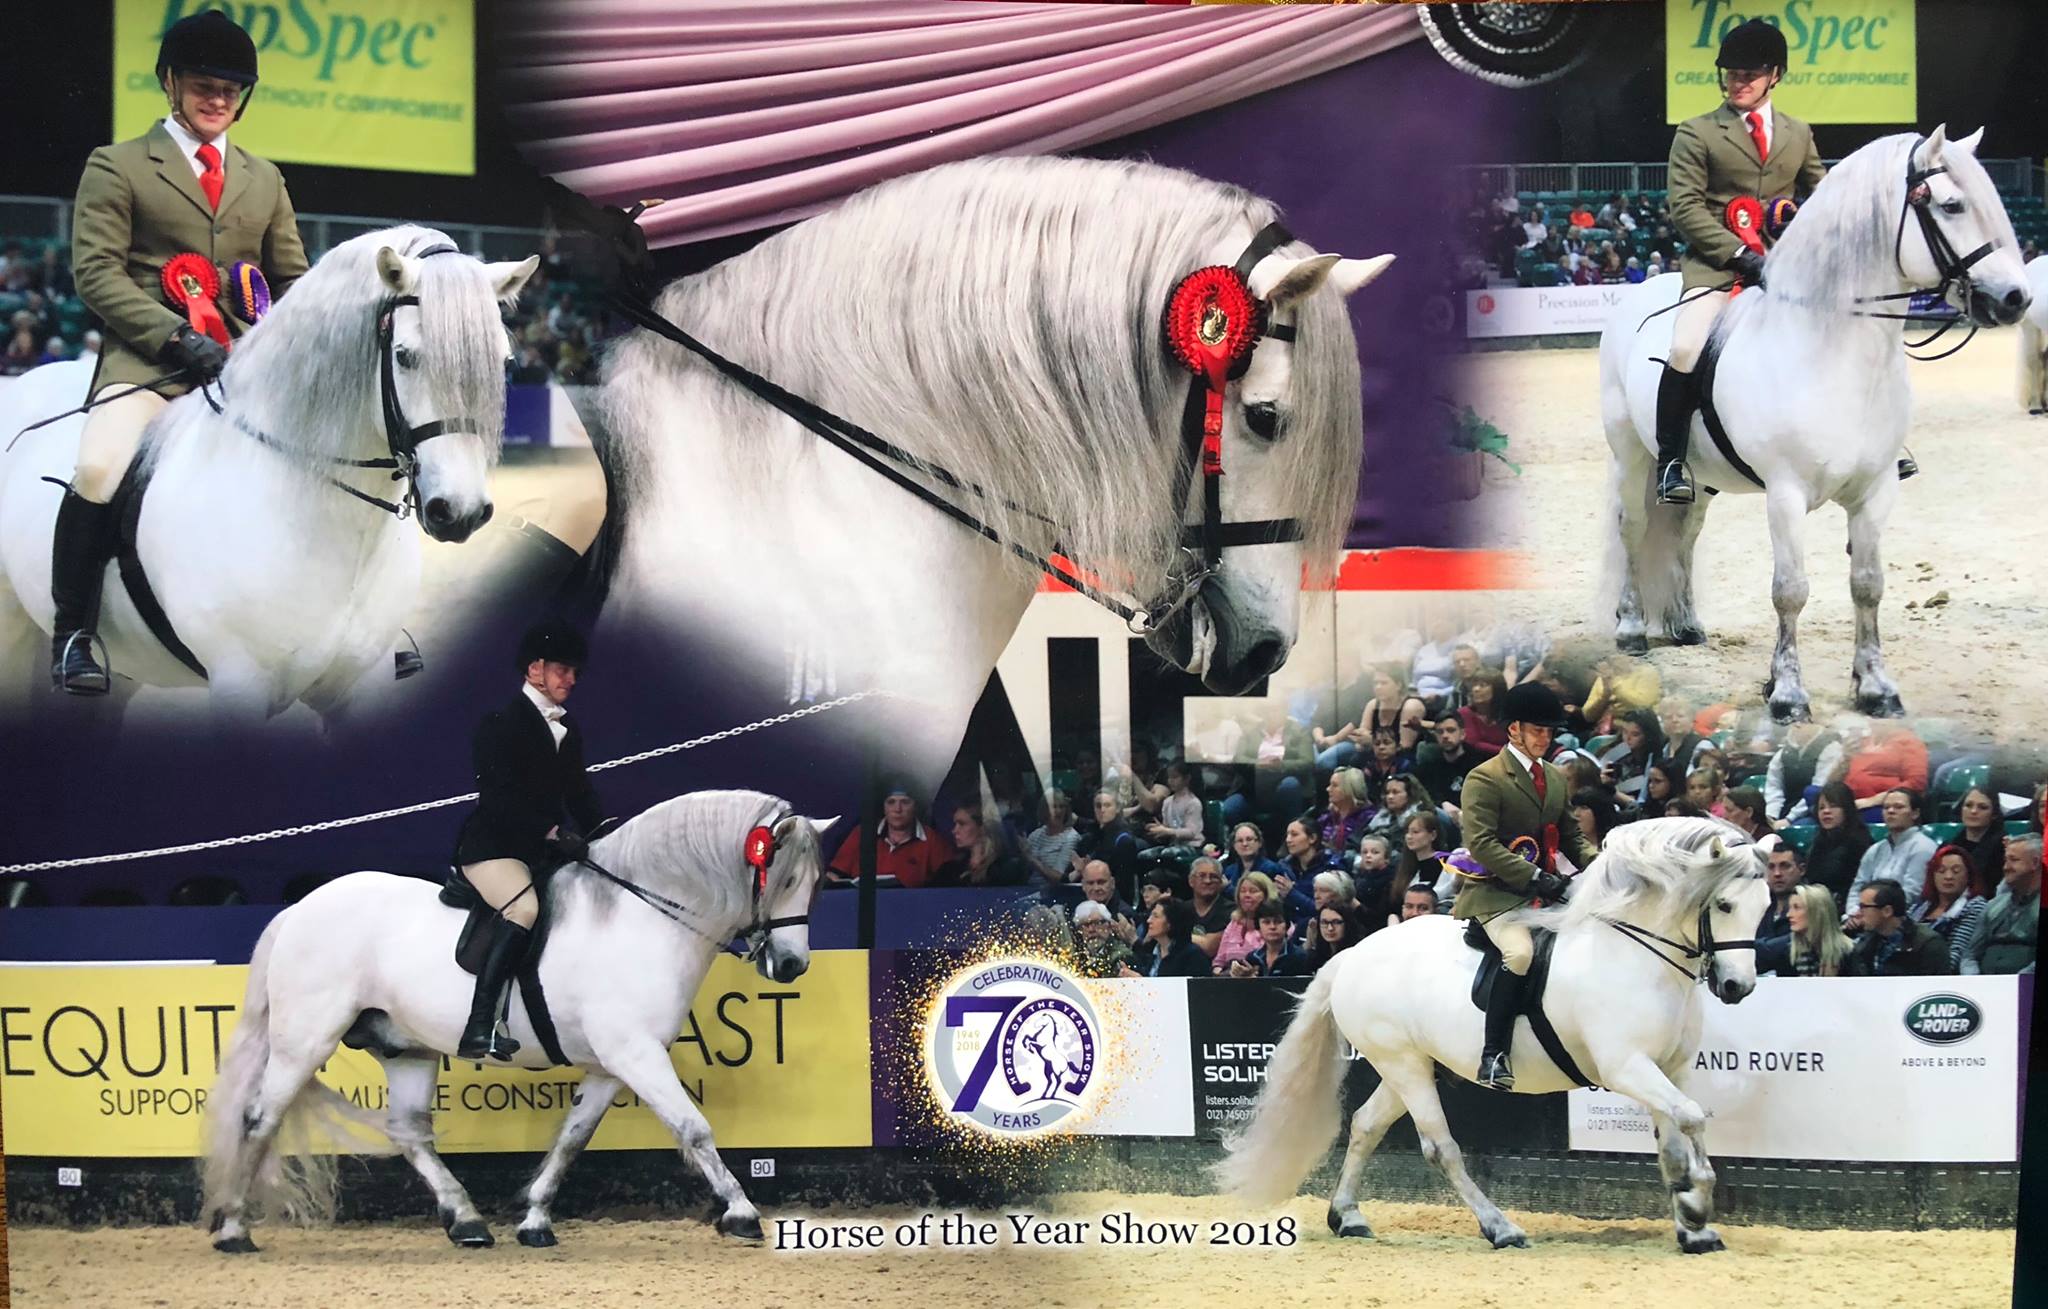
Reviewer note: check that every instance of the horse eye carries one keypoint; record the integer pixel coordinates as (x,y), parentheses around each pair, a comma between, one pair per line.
(1724,906)
(1951,207)
(1264,420)
(406,357)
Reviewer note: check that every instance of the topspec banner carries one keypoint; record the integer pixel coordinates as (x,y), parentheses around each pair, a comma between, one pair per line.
(104,1061)
(387,84)
(1852,61)
(1893,1069)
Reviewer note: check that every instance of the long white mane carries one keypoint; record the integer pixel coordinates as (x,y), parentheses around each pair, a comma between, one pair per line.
(690,849)
(1001,317)
(1656,874)
(307,374)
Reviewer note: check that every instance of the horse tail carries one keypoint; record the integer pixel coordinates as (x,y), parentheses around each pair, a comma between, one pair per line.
(1297,1114)
(291,1180)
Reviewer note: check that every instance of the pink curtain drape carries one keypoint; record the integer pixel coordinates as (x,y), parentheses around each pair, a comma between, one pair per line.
(744,114)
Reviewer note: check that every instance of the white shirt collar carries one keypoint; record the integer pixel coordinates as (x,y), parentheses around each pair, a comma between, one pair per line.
(548,708)
(1528,766)
(190,145)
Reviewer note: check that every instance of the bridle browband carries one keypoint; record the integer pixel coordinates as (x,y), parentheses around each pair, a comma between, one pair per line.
(1949,266)
(757,929)
(401,438)
(1202,545)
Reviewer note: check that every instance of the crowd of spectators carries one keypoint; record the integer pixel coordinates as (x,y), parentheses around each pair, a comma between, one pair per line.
(1624,238)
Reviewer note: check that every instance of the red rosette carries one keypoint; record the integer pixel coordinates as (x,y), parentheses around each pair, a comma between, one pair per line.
(1212,323)
(1745,218)
(759,852)
(192,284)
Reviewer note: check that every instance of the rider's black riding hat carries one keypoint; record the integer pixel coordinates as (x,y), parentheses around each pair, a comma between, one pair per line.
(1753,44)
(210,43)
(555,641)
(1534,703)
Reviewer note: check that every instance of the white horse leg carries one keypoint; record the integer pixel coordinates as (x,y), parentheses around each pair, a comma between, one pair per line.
(1414,1081)
(1681,1150)
(1381,1110)
(240,695)
(1786,690)
(413,1079)
(643,1065)
(1629,488)
(284,1076)
(593,1098)
(1876,693)
(1682,620)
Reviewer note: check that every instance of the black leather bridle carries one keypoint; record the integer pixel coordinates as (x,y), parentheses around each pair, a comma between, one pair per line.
(1704,951)
(1949,266)
(757,930)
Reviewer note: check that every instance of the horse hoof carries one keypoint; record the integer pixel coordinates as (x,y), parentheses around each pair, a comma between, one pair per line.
(1791,711)
(1515,1239)
(1688,636)
(235,1245)
(471,1235)
(537,1238)
(1353,1225)
(1633,645)
(1881,706)
(746,1226)
(1702,1242)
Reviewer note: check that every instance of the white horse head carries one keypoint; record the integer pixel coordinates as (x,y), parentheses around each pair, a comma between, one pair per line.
(323,350)
(693,850)
(1673,877)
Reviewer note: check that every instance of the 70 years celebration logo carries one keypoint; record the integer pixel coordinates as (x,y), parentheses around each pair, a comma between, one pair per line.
(1011,1047)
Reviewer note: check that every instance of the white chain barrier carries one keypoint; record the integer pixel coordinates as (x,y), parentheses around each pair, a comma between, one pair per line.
(333,824)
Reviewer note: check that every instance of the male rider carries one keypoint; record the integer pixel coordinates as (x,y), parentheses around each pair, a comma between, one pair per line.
(179,188)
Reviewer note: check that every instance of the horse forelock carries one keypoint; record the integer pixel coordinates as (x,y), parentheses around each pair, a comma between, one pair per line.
(1003,318)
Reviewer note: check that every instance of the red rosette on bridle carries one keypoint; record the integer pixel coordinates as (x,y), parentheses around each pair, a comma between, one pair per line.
(1212,324)
(192,284)
(759,852)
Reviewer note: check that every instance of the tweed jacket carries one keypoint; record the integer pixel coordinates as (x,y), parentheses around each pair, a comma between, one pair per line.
(1713,160)
(139,204)
(1499,804)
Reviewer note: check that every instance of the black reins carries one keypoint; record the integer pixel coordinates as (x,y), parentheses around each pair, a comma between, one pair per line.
(757,929)
(1949,266)
(1704,951)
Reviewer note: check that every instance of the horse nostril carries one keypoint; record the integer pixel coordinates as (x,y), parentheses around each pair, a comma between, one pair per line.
(1267,655)
(485,515)
(2015,299)
(438,512)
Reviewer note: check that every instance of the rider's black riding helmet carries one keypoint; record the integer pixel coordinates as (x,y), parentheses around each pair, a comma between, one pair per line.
(1533,703)
(213,45)
(1753,44)
(555,641)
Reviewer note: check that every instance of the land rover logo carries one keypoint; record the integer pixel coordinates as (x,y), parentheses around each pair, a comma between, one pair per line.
(1943,1019)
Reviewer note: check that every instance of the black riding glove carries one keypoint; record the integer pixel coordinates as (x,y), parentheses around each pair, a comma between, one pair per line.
(1748,267)
(194,353)
(571,847)
(1550,887)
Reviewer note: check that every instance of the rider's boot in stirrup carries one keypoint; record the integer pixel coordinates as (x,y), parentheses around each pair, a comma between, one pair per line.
(481,1039)
(78,565)
(1495,1073)
(1674,427)
(1907,465)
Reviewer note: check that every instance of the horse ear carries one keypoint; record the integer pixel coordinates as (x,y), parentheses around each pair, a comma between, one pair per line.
(1968,144)
(1353,274)
(1936,141)
(1717,849)
(824,825)
(1285,281)
(400,275)
(508,279)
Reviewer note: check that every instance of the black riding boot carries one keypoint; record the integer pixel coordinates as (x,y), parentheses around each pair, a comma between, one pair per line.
(482,1039)
(78,565)
(1907,465)
(1675,404)
(1501,1008)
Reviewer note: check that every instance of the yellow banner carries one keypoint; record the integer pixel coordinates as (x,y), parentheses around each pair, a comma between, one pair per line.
(1852,61)
(117,1062)
(387,84)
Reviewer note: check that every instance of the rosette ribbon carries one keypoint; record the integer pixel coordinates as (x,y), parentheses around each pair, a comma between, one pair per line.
(192,285)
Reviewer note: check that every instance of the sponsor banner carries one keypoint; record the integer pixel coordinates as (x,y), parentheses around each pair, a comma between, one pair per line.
(1852,61)
(1233,1025)
(1539,310)
(387,84)
(1145,1084)
(1880,1069)
(104,1061)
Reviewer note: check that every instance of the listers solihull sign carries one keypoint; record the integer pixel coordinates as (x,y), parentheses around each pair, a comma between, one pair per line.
(1852,61)
(388,84)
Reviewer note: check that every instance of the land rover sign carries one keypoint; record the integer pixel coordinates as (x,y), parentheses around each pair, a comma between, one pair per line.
(1943,1019)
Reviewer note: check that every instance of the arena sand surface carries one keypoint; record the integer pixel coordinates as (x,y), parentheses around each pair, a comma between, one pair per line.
(1426,1255)
(1970,526)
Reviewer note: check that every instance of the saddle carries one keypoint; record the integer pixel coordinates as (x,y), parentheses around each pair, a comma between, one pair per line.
(474,940)
(127,507)
(1703,387)
(1533,985)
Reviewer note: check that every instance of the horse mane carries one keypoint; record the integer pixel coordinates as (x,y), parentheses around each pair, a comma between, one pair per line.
(307,374)
(690,849)
(1002,318)
(1657,873)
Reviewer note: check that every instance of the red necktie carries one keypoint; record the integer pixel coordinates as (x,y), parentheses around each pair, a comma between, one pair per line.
(1756,134)
(211,180)
(1536,776)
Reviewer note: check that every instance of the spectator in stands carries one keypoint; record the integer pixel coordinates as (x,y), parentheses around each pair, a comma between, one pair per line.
(904,849)
(1248,854)
(1635,271)
(1282,760)
(1621,683)
(1781,873)
(1892,944)
(1813,945)
(1625,766)
(1706,792)
(1444,760)
(1102,953)
(1485,733)
(1422,863)
(1302,857)
(1533,230)
(1167,950)
(1744,807)
(1180,814)
(89,347)
(1682,741)
(532,369)
(1465,665)
(1584,271)
(1611,268)
(1810,754)
(1098,886)
(1050,847)
(1387,760)
(1610,213)
(22,352)
(1983,835)
(1902,855)
(2009,937)
(1401,799)
(1211,906)
(1890,758)
(1593,810)
(1390,709)
(1159,884)
(1240,936)
(983,857)
(1336,932)
(1840,844)
(1663,786)
(1371,888)
(1112,842)
(1139,787)
(1581,217)
(1419,902)
(1433,668)
(1948,902)
(1345,817)
(1276,955)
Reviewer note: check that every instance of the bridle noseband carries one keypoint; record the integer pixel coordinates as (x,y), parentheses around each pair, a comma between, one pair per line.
(403,439)
(1704,951)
